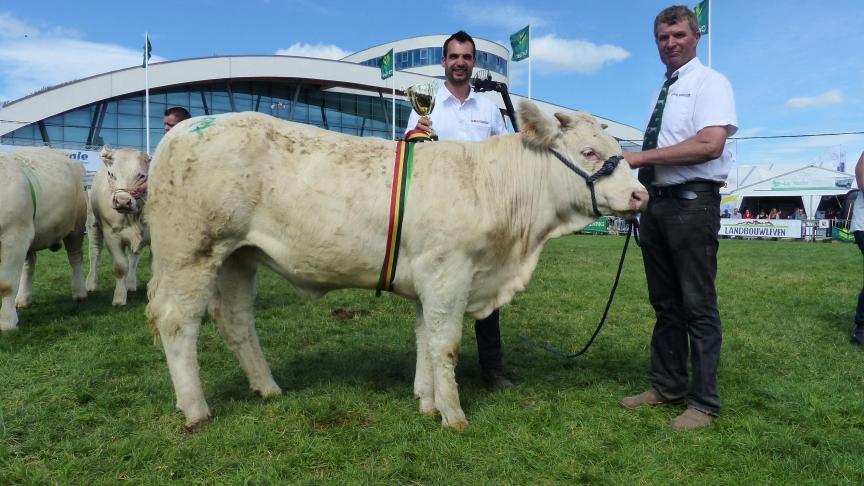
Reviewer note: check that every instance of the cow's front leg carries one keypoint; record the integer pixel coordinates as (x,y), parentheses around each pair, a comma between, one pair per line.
(424,381)
(444,328)
(121,268)
(133,259)
(95,252)
(25,286)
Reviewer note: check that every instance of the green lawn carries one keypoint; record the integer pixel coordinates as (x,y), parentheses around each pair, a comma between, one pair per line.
(85,396)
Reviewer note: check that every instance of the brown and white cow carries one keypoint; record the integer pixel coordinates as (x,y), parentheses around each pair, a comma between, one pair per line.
(236,191)
(42,203)
(117,203)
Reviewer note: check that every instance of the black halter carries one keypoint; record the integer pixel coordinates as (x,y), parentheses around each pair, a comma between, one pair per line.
(608,167)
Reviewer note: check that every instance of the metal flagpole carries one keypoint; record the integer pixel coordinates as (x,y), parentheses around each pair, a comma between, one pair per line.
(146,94)
(529,61)
(710,29)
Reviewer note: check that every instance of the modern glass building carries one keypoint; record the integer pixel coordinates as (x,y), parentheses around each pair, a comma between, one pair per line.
(344,95)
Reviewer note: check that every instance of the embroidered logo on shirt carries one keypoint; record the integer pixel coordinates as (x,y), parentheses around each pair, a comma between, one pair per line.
(484,122)
(686,95)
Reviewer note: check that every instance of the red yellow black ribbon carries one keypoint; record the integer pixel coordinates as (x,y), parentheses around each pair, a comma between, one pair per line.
(399,192)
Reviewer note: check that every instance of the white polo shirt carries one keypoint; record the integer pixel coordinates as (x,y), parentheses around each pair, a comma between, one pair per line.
(475,120)
(700,98)
(858,213)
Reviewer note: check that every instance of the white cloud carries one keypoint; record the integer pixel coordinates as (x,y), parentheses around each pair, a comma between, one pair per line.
(53,55)
(833,97)
(322,51)
(553,54)
(501,16)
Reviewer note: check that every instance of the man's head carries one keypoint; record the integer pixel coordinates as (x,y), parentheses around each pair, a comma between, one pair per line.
(676,33)
(460,54)
(174,116)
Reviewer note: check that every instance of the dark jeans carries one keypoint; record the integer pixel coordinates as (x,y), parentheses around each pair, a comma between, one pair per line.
(859,311)
(488,332)
(679,246)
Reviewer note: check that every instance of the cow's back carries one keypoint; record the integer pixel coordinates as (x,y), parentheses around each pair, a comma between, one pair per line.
(55,183)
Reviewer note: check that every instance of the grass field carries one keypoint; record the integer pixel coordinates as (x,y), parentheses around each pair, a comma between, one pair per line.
(85,396)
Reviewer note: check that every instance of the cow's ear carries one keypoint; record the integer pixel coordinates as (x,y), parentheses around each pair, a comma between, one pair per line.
(537,129)
(145,161)
(107,155)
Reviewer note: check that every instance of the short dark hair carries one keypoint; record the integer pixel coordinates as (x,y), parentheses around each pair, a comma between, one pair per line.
(460,37)
(673,15)
(179,113)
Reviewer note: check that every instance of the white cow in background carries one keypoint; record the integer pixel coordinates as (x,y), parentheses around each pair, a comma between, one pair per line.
(117,206)
(42,203)
(236,191)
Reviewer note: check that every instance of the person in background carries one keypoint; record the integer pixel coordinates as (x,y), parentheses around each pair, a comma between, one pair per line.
(747,214)
(774,214)
(857,228)
(174,116)
(761,214)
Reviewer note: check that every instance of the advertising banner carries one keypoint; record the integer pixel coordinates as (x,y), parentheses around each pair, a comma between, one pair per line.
(89,158)
(761,228)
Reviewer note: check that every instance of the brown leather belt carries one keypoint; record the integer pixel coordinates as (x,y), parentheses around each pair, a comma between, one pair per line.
(687,190)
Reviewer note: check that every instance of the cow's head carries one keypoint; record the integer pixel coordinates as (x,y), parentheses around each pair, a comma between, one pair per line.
(580,140)
(126,171)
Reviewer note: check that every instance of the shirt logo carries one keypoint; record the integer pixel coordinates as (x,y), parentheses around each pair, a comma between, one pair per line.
(484,122)
(685,95)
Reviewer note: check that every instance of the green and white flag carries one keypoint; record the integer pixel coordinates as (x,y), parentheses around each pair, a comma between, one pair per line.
(519,42)
(386,64)
(147,49)
(701,11)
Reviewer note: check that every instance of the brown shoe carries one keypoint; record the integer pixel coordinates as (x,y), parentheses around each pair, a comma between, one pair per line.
(649,397)
(692,419)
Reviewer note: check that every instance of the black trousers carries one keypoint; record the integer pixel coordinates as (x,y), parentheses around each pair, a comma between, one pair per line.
(859,310)
(679,246)
(488,332)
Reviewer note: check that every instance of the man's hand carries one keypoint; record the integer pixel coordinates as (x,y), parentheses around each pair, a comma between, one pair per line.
(424,124)
(635,159)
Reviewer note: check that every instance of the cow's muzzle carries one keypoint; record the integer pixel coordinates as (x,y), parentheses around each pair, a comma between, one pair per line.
(123,202)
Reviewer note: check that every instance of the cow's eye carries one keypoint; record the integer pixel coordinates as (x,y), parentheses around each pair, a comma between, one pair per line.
(589,154)
(140,177)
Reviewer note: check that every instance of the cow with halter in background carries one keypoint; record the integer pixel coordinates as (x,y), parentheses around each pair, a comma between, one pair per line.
(233,192)
(42,203)
(117,202)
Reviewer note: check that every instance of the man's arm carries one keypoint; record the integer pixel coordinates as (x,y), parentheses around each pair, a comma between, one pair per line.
(706,145)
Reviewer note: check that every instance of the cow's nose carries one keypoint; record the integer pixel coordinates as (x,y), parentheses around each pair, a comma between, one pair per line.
(639,200)
(122,202)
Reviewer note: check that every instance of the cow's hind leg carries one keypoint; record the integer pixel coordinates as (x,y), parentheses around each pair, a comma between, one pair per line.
(424,381)
(13,251)
(74,245)
(232,309)
(178,300)
(25,285)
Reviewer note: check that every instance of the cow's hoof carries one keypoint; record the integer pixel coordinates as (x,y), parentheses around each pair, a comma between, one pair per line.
(427,407)
(118,303)
(7,326)
(80,297)
(457,425)
(194,426)
(269,391)
(22,305)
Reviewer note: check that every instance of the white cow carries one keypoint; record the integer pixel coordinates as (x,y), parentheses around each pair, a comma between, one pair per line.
(42,202)
(117,206)
(232,192)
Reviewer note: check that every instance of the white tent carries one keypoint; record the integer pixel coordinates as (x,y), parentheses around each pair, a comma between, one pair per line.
(809,182)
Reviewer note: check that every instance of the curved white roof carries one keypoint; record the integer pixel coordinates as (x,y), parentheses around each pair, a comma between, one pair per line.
(336,74)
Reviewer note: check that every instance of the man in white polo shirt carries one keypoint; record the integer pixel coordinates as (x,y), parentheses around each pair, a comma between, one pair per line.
(683,163)
(461,114)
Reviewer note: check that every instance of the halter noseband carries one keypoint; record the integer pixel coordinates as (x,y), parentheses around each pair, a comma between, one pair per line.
(608,167)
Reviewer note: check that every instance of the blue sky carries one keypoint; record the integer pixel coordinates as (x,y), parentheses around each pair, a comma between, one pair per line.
(796,66)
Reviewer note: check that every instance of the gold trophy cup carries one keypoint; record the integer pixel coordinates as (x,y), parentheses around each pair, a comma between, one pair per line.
(422,99)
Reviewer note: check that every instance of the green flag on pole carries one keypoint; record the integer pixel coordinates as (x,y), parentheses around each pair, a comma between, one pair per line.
(519,41)
(386,64)
(701,11)
(147,49)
